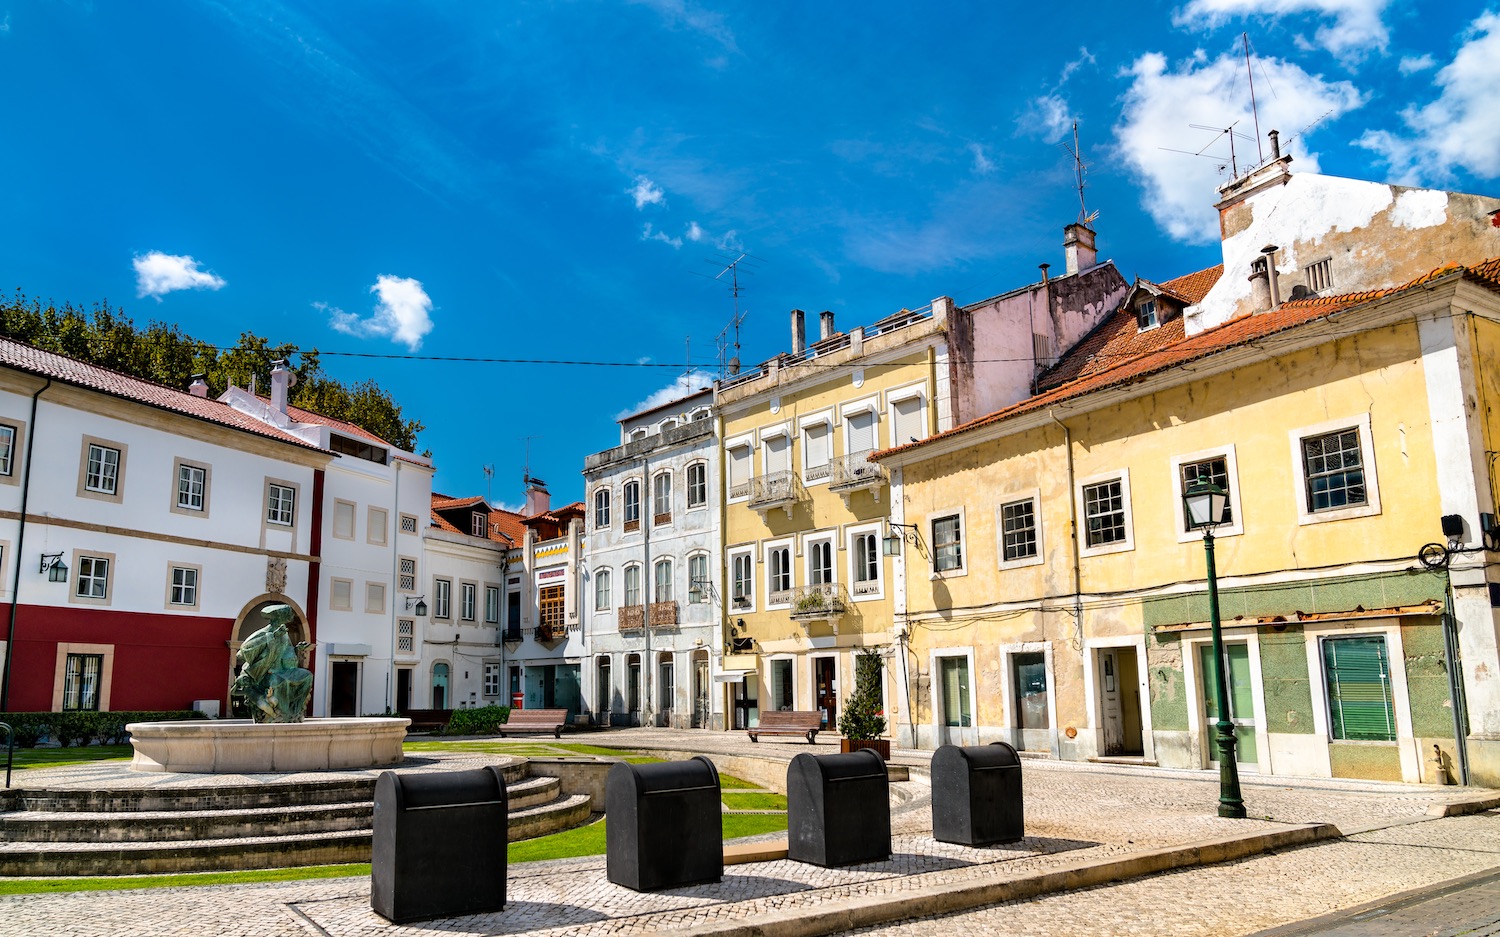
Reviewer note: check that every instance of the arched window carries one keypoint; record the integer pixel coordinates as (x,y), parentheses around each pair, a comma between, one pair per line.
(632,585)
(601,590)
(440,686)
(632,498)
(601,508)
(661,498)
(663,581)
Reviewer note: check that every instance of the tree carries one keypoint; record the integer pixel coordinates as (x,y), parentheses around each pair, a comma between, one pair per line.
(864,716)
(163,353)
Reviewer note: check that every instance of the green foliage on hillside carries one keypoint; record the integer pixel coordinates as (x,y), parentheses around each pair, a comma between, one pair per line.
(163,353)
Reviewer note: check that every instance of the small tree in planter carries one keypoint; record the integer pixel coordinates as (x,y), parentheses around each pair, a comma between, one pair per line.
(862,721)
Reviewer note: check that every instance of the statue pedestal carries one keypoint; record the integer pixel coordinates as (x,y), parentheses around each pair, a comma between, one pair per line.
(239,746)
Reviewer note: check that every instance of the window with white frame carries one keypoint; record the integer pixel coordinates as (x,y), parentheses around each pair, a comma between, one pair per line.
(479,524)
(817,451)
(442,598)
(739,471)
(601,508)
(184,590)
(820,561)
(661,498)
(601,590)
(492,605)
(865,550)
(1333,470)
(491,678)
(1105,513)
(860,432)
(7,448)
(1145,315)
(777,450)
(742,580)
(1018,531)
(632,585)
(93,577)
(663,581)
(281,504)
(1357,674)
(468,594)
(908,420)
(631,495)
(779,574)
(192,487)
(698,583)
(1215,471)
(947,543)
(102,471)
(697,485)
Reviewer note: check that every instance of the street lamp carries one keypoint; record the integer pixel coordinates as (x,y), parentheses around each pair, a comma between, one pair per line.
(1205,504)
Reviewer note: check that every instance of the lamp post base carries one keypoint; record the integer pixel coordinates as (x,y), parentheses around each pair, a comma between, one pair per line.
(1231,805)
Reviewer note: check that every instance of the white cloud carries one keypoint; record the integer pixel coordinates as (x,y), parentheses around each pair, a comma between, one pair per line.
(645,192)
(679,14)
(1461,129)
(157,274)
(1160,104)
(402,313)
(1357,26)
(1047,117)
(982,164)
(685,384)
(728,241)
(648,233)
(1085,57)
(695,233)
(1412,64)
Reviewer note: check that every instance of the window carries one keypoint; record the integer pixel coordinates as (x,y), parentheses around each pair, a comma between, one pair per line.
(907,421)
(375,597)
(343,520)
(343,445)
(632,585)
(697,484)
(816,451)
(661,499)
(406,578)
(632,498)
(192,487)
(102,471)
(698,583)
(779,558)
(93,577)
(955,682)
(1145,316)
(739,471)
(820,562)
(479,524)
(1358,676)
(408,524)
(1104,513)
(860,432)
(1018,533)
(81,681)
(1212,470)
(1217,466)
(442,598)
(777,452)
(782,690)
(663,581)
(866,552)
(375,521)
(281,504)
(1030,673)
(184,586)
(742,580)
(7,448)
(550,604)
(1320,275)
(467,601)
(601,508)
(491,679)
(601,590)
(512,616)
(406,630)
(340,594)
(1334,470)
(947,543)
(492,605)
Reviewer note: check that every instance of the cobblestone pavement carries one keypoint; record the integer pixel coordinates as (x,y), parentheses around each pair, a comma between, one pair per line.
(1467,907)
(1073,812)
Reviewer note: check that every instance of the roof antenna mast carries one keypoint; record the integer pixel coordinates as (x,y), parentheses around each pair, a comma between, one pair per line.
(1260,154)
(731,363)
(1079,171)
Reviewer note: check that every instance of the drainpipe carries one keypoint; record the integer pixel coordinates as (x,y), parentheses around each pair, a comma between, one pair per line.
(395,535)
(15,589)
(1077,580)
(648,583)
(1456,687)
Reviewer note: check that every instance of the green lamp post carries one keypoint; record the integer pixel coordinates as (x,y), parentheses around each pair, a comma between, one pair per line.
(1204,503)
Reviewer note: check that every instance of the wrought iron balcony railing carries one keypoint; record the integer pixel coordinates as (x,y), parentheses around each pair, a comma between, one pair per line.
(632,618)
(822,602)
(854,472)
(774,490)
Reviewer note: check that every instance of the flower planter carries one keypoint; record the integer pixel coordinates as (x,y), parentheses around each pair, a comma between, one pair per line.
(882,747)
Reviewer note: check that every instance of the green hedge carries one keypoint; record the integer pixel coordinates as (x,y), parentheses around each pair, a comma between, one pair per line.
(482,720)
(80,727)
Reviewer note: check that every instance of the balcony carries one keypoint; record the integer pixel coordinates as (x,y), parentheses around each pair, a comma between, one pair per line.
(663,615)
(822,602)
(854,472)
(775,490)
(632,619)
(546,634)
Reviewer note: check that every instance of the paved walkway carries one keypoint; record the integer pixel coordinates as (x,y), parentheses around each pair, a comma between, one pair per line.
(1077,817)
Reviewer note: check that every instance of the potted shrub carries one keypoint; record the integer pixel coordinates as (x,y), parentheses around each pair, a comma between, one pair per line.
(862,720)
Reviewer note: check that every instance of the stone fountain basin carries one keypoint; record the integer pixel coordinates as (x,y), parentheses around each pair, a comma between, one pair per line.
(239,746)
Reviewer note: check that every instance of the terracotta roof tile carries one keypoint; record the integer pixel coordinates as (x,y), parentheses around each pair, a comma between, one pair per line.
(67,370)
(308,416)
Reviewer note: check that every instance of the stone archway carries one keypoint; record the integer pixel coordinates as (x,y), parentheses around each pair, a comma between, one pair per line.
(251,620)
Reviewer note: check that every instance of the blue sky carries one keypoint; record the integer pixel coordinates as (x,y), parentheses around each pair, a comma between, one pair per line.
(553,180)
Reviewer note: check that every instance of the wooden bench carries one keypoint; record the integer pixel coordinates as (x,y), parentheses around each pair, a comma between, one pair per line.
(533,721)
(790,722)
(427,720)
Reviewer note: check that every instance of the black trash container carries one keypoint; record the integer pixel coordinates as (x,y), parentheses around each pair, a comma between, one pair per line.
(664,824)
(976,795)
(838,809)
(439,844)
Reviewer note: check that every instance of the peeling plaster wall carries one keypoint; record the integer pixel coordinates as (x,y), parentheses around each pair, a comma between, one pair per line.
(1376,235)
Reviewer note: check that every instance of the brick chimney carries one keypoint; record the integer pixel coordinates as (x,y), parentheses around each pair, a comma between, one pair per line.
(1078,247)
(199,387)
(799,333)
(825,325)
(282,380)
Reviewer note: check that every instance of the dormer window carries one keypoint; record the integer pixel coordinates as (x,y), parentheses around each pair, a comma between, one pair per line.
(1145,315)
(479,525)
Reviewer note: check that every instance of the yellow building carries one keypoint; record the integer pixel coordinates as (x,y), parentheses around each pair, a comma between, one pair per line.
(1057,598)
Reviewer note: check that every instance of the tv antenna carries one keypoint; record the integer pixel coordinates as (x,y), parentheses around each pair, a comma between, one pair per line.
(1260,154)
(1231,133)
(1079,171)
(526,478)
(489,478)
(732,265)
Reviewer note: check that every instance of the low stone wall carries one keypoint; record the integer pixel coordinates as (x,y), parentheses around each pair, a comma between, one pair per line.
(576,775)
(239,746)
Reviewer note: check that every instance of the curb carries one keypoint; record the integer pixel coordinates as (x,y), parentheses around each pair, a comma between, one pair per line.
(851,913)
(1462,807)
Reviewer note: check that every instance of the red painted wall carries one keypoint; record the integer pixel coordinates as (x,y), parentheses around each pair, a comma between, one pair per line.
(161,661)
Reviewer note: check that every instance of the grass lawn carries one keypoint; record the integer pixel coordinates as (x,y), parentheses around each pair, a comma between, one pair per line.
(53,757)
(755,801)
(527,749)
(729,782)
(32,886)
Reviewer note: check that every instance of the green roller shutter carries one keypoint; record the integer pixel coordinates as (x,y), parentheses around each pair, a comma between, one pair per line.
(1359,689)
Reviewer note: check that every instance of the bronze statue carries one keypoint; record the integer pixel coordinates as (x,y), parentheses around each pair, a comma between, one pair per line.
(269,673)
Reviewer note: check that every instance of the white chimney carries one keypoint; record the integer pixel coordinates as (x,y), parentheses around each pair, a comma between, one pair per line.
(199,387)
(825,325)
(1078,247)
(799,333)
(282,379)
(538,499)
